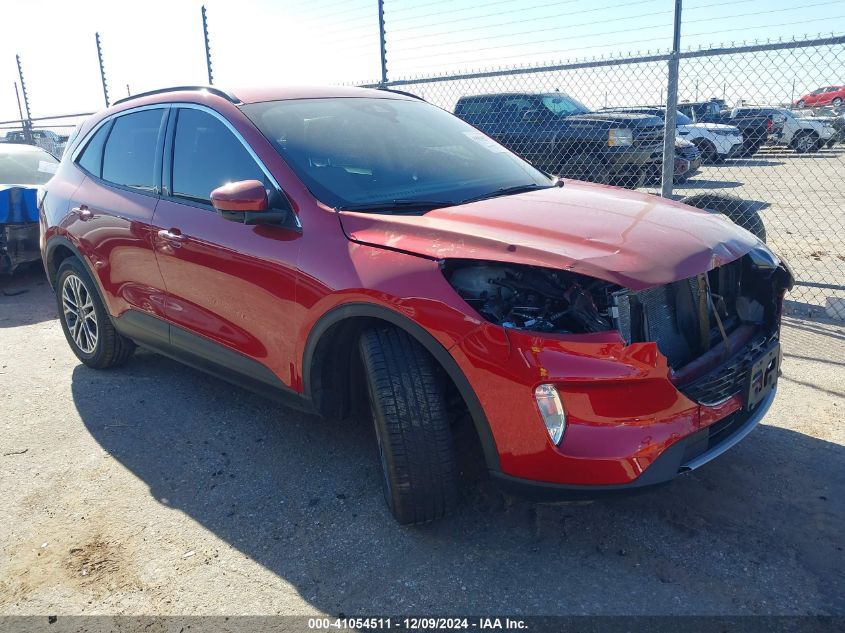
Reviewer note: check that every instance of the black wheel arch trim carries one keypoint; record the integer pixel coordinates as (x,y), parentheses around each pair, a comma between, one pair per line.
(424,338)
(51,270)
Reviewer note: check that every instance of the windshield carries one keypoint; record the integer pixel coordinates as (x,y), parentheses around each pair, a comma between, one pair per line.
(355,152)
(27,166)
(563,105)
(683,119)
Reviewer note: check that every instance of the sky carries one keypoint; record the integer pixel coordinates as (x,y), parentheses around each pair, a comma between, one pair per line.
(159,42)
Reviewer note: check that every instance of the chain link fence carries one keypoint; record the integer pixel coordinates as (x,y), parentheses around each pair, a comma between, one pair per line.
(743,146)
(760,135)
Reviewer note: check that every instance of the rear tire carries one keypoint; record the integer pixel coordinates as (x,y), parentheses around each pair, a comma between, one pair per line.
(412,426)
(85,320)
(738,210)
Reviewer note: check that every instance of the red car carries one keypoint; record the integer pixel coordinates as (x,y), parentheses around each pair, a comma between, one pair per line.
(829,95)
(362,248)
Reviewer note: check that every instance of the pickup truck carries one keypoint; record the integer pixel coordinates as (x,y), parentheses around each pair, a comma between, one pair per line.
(561,136)
(757,124)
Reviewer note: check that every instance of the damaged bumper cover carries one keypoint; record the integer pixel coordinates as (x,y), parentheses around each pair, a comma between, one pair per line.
(693,451)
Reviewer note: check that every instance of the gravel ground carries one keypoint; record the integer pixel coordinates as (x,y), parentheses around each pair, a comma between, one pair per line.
(155,489)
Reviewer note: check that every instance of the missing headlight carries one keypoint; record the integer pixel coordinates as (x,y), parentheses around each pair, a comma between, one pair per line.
(533,298)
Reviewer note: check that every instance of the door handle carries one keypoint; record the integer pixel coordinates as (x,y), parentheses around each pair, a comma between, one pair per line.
(172,235)
(83,212)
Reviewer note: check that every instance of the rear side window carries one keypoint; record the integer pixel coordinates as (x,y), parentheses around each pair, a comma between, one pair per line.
(207,155)
(91,159)
(129,155)
(474,106)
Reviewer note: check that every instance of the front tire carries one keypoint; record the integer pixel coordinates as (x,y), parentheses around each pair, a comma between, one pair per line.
(804,142)
(836,102)
(707,151)
(412,426)
(85,321)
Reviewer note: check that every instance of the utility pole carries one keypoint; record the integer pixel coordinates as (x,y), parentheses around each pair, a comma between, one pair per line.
(382,46)
(207,48)
(102,69)
(671,108)
(25,124)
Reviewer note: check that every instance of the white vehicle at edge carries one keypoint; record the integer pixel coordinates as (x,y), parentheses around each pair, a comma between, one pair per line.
(805,134)
(714,141)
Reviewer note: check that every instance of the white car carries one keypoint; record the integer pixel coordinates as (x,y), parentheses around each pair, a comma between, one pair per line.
(805,134)
(714,141)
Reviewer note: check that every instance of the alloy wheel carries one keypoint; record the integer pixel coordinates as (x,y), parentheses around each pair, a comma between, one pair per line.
(804,143)
(79,314)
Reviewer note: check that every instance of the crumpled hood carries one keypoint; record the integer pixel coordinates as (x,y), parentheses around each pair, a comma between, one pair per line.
(634,239)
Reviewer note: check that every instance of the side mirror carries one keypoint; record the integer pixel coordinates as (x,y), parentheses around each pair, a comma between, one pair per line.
(246,202)
(531,116)
(240,196)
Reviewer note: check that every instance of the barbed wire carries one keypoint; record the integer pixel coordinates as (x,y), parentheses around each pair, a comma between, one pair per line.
(623,43)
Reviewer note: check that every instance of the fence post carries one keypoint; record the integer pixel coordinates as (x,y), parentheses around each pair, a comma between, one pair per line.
(26,125)
(102,69)
(671,108)
(207,48)
(382,47)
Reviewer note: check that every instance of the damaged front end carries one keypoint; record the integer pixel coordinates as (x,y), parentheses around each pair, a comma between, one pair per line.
(714,328)
(19,229)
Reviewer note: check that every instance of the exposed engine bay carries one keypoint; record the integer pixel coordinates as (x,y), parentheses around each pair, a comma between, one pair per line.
(534,298)
(713,313)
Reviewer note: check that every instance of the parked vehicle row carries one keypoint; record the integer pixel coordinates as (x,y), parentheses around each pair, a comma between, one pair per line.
(48,140)
(715,142)
(624,145)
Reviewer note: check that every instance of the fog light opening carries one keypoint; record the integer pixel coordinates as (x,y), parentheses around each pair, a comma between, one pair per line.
(551,409)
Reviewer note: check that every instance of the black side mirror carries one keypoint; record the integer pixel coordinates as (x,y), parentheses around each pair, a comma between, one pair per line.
(532,116)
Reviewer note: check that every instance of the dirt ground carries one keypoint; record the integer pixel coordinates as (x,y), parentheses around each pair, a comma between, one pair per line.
(155,489)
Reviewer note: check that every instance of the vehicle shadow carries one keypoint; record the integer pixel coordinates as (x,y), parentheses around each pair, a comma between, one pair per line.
(26,297)
(697,183)
(758,531)
(753,162)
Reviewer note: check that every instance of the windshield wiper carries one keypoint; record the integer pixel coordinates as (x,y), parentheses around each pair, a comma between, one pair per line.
(399,205)
(509,191)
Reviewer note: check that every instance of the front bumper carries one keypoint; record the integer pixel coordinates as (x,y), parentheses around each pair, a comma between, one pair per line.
(735,149)
(683,456)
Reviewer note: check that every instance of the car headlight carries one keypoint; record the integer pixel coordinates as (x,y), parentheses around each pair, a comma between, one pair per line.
(551,408)
(620,137)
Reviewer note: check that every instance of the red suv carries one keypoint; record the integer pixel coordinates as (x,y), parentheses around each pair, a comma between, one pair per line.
(829,95)
(351,247)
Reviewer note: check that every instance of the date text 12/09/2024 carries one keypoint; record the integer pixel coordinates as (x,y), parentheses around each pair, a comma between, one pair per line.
(417,624)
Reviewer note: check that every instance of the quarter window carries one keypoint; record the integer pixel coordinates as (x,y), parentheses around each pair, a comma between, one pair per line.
(207,155)
(91,159)
(129,155)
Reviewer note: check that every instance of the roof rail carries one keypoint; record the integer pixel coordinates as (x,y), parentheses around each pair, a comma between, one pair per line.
(215,91)
(401,92)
